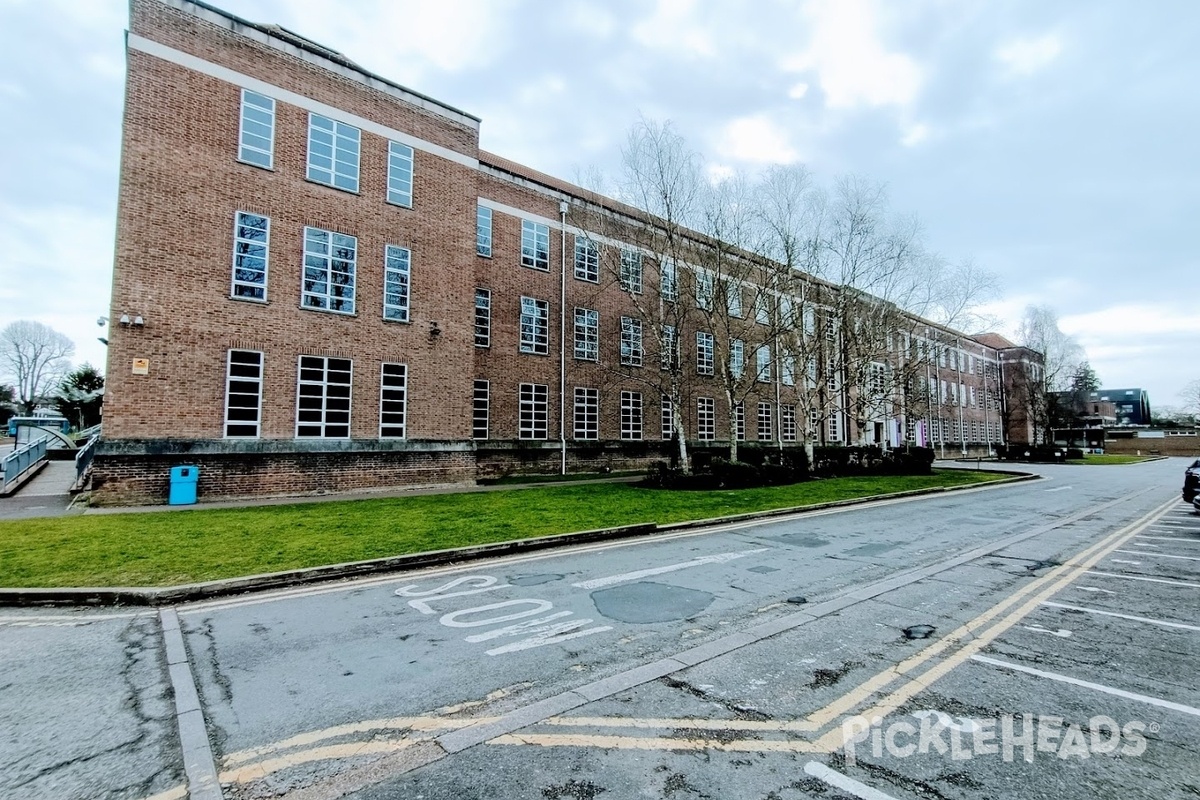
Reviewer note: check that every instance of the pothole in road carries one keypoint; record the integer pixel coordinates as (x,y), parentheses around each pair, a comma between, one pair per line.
(646,601)
(1036,565)
(573,790)
(534,580)
(918,632)
(802,540)
(828,677)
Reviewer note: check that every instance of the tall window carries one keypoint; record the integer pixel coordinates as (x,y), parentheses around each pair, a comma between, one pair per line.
(323,398)
(835,428)
(877,379)
(243,394)
(251,241)
(733,298)
(669,355)
(739,421)
(587,412)
(814,422)
(535,245)
(534,415)
(329,263)
(788,370)
(737,358)
(333,149)
(256,139)
(480,406)
(631,271)
(400,174)
(706,419)
(587,260)
(787,423)
(668,418)
(483,231)
(631,342)
(631,415)
(704,353)
(787,312)
(764,422)
(587,334)
(762,358)
(762,310)
(393,401)
(535,320)
(395,283)
(668,281)
(483,318)
(704,290)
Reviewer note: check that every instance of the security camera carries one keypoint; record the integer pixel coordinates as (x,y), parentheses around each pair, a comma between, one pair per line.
(102,321)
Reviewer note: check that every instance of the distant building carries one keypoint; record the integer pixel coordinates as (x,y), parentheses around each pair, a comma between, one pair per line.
(1126,407)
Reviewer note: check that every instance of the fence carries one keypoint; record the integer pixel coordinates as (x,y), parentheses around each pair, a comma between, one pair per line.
(83,459)
(20,461)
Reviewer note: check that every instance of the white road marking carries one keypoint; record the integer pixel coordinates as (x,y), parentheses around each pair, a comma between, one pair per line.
(1143,544)
(720,558)
(1060,633)
(1170,539)
(1095,589)
(1124,616)
(847,784)
(1054,676)
(1157,555)
(1125,561)
(1060,489)
(963,724)
(1140,578)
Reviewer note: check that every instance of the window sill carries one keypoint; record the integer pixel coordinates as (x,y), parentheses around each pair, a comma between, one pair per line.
(329,311)
(396,321)
(256,166)
(394,204)
(536,269)
(255,300)
(315,182)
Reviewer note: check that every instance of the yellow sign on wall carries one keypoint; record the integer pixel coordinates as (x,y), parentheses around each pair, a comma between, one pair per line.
(141,366)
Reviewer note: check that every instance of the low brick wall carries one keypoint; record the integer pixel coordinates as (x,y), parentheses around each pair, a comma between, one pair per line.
(1167,446)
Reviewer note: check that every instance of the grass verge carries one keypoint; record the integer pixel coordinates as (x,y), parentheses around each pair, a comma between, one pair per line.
(1107,459)
(163,549)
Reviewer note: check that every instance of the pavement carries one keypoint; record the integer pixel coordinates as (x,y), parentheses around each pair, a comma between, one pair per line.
(47,494)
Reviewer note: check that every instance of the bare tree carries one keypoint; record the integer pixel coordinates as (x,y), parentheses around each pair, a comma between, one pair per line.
(35,357)
(1062,357)
(1190,395)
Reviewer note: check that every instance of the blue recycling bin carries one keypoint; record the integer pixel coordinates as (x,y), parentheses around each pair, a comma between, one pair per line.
(183,485)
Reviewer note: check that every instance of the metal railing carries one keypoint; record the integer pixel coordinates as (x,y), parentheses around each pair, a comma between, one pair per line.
(83,458)
(20,461)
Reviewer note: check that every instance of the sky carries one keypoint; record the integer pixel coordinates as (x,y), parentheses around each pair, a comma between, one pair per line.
(1055,144)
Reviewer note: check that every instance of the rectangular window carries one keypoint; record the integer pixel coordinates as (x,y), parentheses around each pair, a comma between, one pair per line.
(788,370)
(631,271)
(877,375)
(973,397)
(587,413)
(587,260)
(704,353)
(333,153)
(395,283)
(323,398)
(809,321)
(787,312)
(810,371)
(669,354)
(835,428)
(787,423)
(814,422)
(631,342)
(762,360)
(668,418)
(668,281)
(480,406)
(706,419)
(704,290)
(483,231)
(251,242)
(483,318)
(535,320)
(764,422)
(587,334)
(739,421)
(256,140)
(737,358)
(631,415)
(393,401)
(400,174)
(243,394)
(329,266)
(733,298)
(535,245)
(534,415)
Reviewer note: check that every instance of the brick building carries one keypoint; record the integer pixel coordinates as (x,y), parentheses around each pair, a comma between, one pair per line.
(323,284)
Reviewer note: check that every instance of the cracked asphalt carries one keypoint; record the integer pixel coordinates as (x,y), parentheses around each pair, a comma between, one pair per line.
(972,644)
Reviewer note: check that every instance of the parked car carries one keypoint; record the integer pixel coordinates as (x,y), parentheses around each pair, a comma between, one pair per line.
(1191,481)
(1196,503)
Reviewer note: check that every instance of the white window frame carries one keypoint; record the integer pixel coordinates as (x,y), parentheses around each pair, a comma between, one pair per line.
(667,418)
(704,290)
(587,334)
(668,280)
(762,309)
(704,353)
(766,422)
(631,342)
(397,283)
(631,271)
(787,423)
(788,370)
(325,301)
(345,145)
(324,410)
(739,420)
(483,231)
(533,414)
(481,403)
(535,245)
(737,358)
(393,401)
(244,258)
(483,317)
(733,298)
(587,260)
(762,363)
(246,386)
(400,175)
(586,422)
(834,427)
(706,419)
(631,416)
(668,355)
(535,326)
(255,153)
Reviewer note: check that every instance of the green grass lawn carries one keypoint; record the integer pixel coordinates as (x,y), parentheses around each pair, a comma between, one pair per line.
(1092,458)
(166,548)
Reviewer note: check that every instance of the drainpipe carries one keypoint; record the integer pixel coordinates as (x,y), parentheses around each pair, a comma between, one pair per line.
(562,340)
(959,392)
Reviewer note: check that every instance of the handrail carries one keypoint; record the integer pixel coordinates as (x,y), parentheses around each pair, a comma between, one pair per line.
(20,461)
(83,458)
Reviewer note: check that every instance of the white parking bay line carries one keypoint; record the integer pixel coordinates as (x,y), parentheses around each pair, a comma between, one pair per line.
(1142,578)
(1059,489)
(1162,622)
(847,784)
(720,558)
(1169,539)
(1156,555)
(1054,676)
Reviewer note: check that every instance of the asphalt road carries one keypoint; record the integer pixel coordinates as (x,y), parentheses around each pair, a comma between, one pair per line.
(1036,640)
